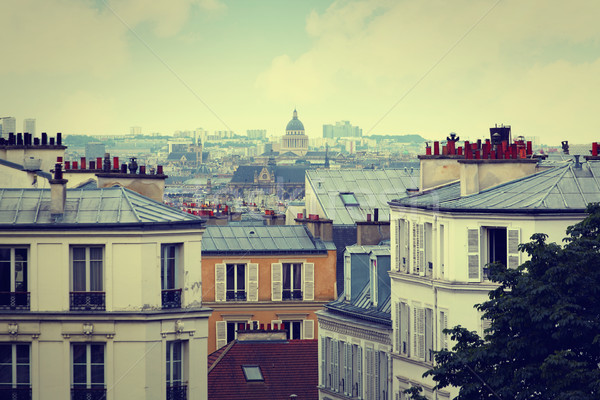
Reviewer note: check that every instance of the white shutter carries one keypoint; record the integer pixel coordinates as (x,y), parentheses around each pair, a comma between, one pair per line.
(415,248)
(429,334)
(221,333)
(348,364)
(276,282)
(513,253)
(422,266)
(369,374)
(309,281)
(485,324)
(323,361)
(404,328)
(252,282)
(443,325)
(220,282)
(406,246)
(397,330)
(360,377)
(309,329)
(336,369)
(376,375)
(474,267)
(419,332)
(397,244)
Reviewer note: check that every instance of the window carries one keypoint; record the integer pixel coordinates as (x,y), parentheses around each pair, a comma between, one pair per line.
(403,248)
(236,282)
(15,371)
(292,281)
(402,329)
(293,328)
(13,278)
(88,371)
(232,328)
(349,199)
(496,248)
(176,387)
(87,279)
(252,373)
(423,333)
(169,276)
(428,246)
(491,244)
(357,377)
(417,250)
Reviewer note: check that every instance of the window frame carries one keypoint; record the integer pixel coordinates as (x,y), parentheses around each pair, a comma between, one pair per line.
(14,299)
(295,271)
(238,294)
(87,299)
(14,366)
(94,389)
(87,268)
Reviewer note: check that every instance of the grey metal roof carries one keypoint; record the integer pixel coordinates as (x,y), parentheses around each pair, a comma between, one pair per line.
(362,307)
(115,205)
(559,189)
(371,188)
(261,239)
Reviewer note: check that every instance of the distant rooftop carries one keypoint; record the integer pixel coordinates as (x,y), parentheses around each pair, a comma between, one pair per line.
(115,205)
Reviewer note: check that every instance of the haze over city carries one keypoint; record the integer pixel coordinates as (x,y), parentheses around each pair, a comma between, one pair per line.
(390,67)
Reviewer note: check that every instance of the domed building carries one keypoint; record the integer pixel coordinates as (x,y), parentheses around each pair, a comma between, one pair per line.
(294,140)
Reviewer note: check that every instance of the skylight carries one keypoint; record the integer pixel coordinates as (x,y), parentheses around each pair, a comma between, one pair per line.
(349,199)
(252,373)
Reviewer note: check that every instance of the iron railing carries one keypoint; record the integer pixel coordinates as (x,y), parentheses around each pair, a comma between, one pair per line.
(21,393)
(236,295)
(291,294)
(171,298)
(88,301)
(177,392)
(88,394)
(14,300)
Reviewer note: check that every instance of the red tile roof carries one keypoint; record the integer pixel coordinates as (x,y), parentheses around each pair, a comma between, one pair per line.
(288,367)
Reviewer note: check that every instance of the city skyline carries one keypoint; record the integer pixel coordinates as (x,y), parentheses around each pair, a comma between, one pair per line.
(102,67)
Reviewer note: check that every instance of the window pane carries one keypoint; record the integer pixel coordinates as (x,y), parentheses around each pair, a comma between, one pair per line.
(79,276)
(177,351)
(96,253)
(297,276)
(230,276)
(97,353)
(177,371)
(79,354)
(4,254)
(23,373)
(295,329)
(241,277)
(5,374)
(79,373)
(5,353)
(171,251)
(20,276)
(286,276)
(96,276)
(78,253)
(97,372)
(4,276)
(23,353)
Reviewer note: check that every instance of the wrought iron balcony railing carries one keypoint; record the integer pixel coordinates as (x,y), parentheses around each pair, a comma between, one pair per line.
(236,295)
(177,392)
(14,300)
(88,394)
(289,294)
(20,393)
(88,301)
(171,298)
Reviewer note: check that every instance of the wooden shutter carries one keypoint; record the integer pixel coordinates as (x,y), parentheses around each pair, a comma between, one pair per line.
(360,377)
(220,282)
(276,282)
(369,375)
(419,332)
(415,247)
(323,361)
(336,365)
(397,244)
(421,242)
(474,267)
(221,327)
(309,329)
(404,328)
(512,246)
(309,281)
(428,334)
(443,325)
(252,282)
(348,364)
(376,375)
(405,244)
(397,330)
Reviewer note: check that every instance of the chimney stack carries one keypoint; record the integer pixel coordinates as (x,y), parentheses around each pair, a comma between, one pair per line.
(58,192)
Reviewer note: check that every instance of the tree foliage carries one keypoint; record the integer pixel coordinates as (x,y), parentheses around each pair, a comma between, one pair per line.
(544,340)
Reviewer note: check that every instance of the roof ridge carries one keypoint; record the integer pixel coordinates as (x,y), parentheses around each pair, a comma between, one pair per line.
(223,353)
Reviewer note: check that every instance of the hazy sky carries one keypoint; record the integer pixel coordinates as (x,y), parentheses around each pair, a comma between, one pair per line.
(428,67)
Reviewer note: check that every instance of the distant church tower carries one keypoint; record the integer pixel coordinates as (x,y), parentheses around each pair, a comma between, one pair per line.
(294,140)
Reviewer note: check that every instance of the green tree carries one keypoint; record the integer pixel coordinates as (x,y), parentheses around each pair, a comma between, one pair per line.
(544,339)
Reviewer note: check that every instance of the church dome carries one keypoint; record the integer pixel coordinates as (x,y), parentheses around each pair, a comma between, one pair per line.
(295,124)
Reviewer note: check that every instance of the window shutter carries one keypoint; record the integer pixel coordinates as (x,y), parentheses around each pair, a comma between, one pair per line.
(398,244)
(369,376)
(419,333)
(309,281)
(376,375)
(404,327)
(422,266)
(336,370)
(252,282)
(221,333)
(359,382)
(473,255)
(276,282)
(348,364)
(398,333)
(219,282)
(309,329)
(443,325)
(485,325)
(406,247)
(513,253)
(429,334)
(415,248)
(323,360)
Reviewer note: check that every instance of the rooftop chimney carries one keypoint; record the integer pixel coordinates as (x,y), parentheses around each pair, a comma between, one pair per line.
(58,191)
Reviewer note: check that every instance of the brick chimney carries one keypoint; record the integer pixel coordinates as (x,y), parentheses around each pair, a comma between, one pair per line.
(58,192)
(372,232)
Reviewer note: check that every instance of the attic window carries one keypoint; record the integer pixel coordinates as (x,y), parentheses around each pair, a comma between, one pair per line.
(252,373)
(349,199)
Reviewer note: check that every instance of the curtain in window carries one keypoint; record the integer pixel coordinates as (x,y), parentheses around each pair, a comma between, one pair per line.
(286,276)
(297,276)
(20,270)
(79,269)
(96,269)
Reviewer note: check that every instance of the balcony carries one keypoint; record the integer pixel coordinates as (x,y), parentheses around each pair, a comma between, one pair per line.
(171,298)
(22,393)
(177,392)
(236,295)
(14,301)
(88,394)
(291,294)
(88,301)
